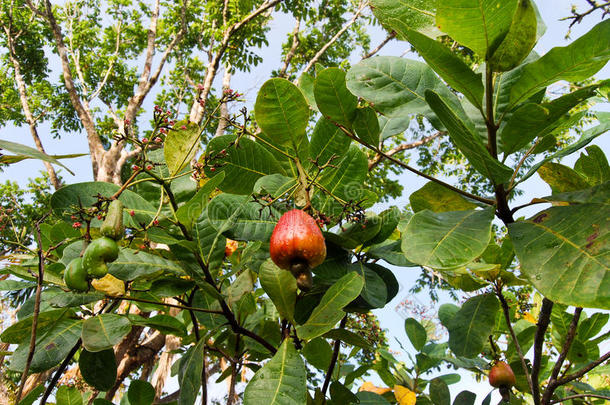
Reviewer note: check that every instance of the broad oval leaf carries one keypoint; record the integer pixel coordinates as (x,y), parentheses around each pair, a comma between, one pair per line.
(575,62)
(51,347)
(439,392)
(67,395)
(180,146)
(189,374)
(328,141)
(329,310)
(417,14)
(282,111)
(416,333)
(243,163)
(239,218)
(447,239)
(446,64)
(281,287)
(282,381)
(103,331)
(132,264)
(333,98)
(564,253)
(488,22)
(434,197)
(366,125)
(463,135)
(20,331)
(318,353)
(519,40)
(98,368)
(140,393)
(471,325)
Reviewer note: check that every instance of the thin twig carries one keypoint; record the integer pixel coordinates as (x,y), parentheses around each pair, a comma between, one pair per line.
(167,304)
(484,200)
(381,45)
(39,283)
(405,146)
(333,360)
(582,371)
(579,396)
(513,335)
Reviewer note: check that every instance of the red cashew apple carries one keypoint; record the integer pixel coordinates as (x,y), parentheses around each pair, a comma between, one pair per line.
(501,376)
(297,244)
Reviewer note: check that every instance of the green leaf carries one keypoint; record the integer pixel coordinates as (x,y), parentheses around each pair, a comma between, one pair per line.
(590,327)
(51,347)
(575,62)
(68,396)
(436,198)
(72,299)
(562,252)
(243,163)
(318,353)
(561,178)
(416,14)
(467,140)
(340,394)
(348,337)
(465,398)
(519,41)
(281,111)
(439,392)
(103,331)
(166,324)
(242,285)
(356,233)
(328,141)
(239,218)
(533,120)
(206,301)
(329,310)
(345,180)
(192,209)
(281,287)
(275,185)
(98,369)
(140,393)
(446,64)
(370,398)
(366,125)
(471,325)
(181,144)
(416,333)
(333,98)
(189,375)
(20,331)
(133,264)
(389,221)
(210,242)
(70,198)
(374,291)
(593,166)
(503,84)
(282,381)
(584,140)
(597,194)
(33,395)
(305,83)
(391,252)
(396,86)
(25,152)
(480,25)
(13,285)
(448,239)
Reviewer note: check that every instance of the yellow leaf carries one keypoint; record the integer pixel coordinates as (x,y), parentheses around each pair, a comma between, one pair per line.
(109,285)
(368,386)
(528,317)
(404,396)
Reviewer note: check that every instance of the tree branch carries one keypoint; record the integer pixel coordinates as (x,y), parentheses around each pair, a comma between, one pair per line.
(381,45)
(543,323)
(582,371)
(334,358)
(405,146)
(292,50)
(411,169)
(100,86)
(334,39)
(577,17)
(579,396)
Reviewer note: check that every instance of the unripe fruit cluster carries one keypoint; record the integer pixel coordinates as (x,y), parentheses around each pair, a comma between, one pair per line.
(100,252)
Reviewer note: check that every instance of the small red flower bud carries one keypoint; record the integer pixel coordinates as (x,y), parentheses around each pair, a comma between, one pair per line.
(163,130)
(155,222)
(144,140)
(149,167)
(212,169)
(76,225)
(135,167)
(183,127)
(73,217)
(132,213)
(158,140)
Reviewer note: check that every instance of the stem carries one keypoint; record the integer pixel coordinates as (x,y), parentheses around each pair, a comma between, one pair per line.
(505,309)
(59,372)
(579,396)
(167,304)
(39,282)
(375,149)
(582,371)
(552,385)
(333,360)
(543,323)
(126,184)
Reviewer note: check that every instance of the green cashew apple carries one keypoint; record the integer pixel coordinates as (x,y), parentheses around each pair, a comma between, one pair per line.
(75,275)
(98,253)
(112,227)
